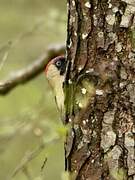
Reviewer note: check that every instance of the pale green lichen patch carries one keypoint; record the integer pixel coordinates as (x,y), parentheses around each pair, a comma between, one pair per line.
(84,92)
(119,174)
(78,94)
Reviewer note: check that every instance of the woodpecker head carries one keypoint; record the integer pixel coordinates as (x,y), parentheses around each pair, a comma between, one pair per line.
(56,66)
(55,74)
(55,70)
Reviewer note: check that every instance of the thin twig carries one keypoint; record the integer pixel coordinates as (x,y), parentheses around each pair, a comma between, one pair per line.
(29,157)
(24,75)
(43,165)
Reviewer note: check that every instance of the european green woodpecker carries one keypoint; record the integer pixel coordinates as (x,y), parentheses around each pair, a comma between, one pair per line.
(55,73)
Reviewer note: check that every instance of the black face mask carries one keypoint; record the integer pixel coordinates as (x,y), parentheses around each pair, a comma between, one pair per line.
(61,65)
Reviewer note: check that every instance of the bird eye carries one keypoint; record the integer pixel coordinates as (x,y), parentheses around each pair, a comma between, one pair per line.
(58,63)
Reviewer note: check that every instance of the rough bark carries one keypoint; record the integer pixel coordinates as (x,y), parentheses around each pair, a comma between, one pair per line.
(100,89)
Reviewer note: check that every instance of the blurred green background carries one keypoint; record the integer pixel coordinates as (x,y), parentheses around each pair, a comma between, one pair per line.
(28,115)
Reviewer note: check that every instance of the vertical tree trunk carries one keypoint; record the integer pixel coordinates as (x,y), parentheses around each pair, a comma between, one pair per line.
(100,89)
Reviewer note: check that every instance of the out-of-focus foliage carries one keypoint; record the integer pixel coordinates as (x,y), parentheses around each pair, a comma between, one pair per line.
(28,116)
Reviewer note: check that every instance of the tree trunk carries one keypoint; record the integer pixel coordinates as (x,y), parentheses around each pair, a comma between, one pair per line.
(100,89)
